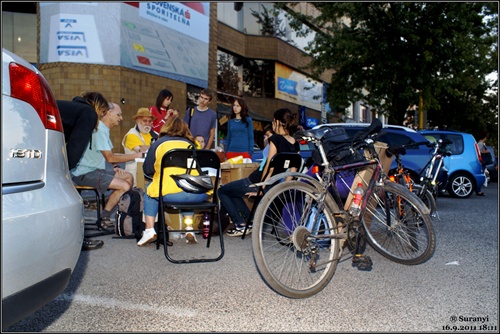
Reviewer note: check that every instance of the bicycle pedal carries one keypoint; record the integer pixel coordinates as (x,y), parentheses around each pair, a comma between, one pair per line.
(363,262)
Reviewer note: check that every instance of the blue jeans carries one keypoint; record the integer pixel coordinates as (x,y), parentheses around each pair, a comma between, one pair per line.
(151,203)
(231,197)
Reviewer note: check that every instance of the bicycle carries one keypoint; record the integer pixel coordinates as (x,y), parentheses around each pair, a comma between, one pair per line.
(301,225)
(432,174)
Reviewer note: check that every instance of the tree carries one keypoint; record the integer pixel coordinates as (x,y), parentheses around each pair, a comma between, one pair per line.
(227,75)
(270,22)
(391,55)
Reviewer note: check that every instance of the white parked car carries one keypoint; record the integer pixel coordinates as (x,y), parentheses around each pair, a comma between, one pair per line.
(42,213)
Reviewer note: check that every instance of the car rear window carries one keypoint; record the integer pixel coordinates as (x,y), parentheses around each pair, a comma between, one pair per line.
(391,138)
(457,147)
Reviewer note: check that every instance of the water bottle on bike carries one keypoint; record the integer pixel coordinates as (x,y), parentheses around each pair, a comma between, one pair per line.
(355,207)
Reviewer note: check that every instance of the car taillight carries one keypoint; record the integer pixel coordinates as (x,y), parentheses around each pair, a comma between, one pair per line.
(32,88)
(478,153)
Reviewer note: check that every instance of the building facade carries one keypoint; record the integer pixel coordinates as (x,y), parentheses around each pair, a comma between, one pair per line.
(252,53)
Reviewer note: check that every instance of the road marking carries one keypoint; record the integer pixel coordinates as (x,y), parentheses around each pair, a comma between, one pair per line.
(112,303)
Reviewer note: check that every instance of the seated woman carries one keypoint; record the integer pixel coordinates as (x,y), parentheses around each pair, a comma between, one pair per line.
(231,195)
(173,134)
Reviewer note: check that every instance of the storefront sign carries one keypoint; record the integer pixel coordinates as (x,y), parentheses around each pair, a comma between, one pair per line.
(297,88)
(311,122)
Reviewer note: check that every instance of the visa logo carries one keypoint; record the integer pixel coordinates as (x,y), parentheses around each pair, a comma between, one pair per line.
(71,36)
(68,22)
(72,51)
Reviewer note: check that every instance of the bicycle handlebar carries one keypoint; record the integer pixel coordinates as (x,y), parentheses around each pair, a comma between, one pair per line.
(374,127)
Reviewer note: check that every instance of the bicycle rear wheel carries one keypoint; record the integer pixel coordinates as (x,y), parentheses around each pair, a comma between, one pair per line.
(398,225)
(296,243)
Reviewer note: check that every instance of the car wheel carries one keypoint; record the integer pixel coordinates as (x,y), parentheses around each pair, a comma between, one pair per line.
(461,186)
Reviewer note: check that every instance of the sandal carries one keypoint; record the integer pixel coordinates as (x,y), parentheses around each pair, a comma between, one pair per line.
(106,223)
(91,244)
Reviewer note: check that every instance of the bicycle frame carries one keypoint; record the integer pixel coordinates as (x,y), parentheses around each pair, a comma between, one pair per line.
(427,188)
(433,168)
(327,178)
(301,224)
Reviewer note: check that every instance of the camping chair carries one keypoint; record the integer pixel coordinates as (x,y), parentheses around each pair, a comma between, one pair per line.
(279,163)
(182,158)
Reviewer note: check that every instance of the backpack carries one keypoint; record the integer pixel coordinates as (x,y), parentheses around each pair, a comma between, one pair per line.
(337,145)
(129,214)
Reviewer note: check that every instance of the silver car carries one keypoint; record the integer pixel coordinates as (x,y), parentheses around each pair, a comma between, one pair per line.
(42,213)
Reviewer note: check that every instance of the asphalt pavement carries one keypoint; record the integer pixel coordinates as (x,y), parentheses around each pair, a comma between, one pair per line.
(125,288)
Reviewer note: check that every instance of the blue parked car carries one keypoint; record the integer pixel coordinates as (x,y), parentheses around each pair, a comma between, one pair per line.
(464,167)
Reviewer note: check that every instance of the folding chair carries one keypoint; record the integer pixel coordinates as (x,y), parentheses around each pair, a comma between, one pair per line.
(279,163)
(94,231)
(182,158)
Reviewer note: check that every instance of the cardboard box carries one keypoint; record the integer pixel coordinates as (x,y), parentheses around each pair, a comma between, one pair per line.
(173,218)
(139,176)
(364,176)
(230,172)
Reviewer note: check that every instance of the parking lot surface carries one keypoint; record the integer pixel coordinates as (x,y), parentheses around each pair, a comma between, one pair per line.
(125,288)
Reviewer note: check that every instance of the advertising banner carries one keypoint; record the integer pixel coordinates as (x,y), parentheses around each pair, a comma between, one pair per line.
(302,115)
(297,88)
(311,122)
(168,39)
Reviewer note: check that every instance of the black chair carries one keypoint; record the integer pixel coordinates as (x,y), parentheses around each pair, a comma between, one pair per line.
(280,162)
(96,230)
(182,158)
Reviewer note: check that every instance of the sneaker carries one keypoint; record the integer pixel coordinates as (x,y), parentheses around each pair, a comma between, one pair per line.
(148,237)
(238,231)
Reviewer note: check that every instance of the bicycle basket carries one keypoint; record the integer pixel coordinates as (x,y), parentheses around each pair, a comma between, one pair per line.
(338,148)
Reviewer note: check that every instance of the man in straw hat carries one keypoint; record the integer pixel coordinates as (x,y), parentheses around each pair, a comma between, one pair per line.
(139,138)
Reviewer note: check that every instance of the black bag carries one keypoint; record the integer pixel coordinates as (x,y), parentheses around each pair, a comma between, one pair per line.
(486,159)
(338,148)
(129,215)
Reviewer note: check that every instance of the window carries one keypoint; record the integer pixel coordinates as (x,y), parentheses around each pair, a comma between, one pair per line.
(228,73)
(19,34)
(258,78)
(237,75)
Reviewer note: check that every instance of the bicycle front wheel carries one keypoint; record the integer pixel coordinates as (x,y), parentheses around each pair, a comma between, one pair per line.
(296,239)
(398,225)
(426,197)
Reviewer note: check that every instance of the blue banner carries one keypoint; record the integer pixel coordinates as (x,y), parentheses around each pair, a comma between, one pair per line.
(302,115)
(287,86)
(311,122)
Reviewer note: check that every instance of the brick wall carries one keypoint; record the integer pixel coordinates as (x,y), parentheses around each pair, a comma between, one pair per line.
(139,89)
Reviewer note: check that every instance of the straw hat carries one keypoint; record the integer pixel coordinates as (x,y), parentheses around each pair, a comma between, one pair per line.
(143,112)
